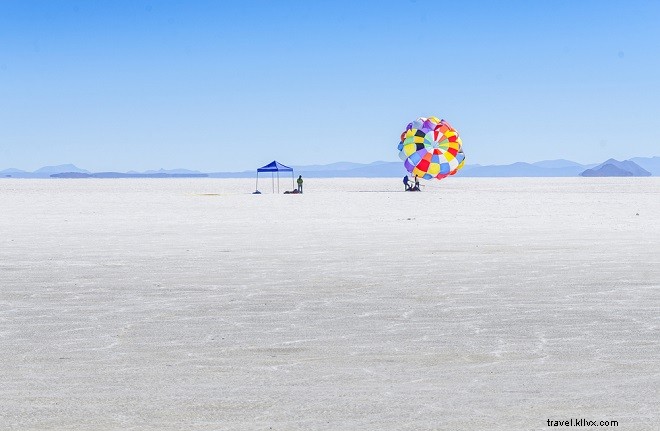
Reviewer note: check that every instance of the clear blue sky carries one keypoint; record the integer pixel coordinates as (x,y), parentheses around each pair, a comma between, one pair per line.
(219,86)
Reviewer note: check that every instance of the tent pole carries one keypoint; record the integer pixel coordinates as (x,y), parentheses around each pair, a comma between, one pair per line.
(293,184)
(278,182)
(272,178)
(256,187)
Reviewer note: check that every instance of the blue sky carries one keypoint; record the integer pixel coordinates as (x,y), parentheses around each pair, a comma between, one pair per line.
(220,86)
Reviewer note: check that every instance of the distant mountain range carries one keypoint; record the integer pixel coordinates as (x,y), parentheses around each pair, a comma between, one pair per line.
(615,168)
(545,168)
(638,166)
(72,171)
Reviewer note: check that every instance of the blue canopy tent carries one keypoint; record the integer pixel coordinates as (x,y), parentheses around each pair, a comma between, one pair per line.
(274,168)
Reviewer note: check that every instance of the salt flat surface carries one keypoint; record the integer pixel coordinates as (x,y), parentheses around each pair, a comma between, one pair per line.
(479,304)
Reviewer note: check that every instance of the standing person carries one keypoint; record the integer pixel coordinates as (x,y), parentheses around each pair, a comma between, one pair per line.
(406,182)
(416,182)
(300,181)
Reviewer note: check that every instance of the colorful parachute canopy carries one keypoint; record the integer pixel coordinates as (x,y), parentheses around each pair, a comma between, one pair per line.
(431,148)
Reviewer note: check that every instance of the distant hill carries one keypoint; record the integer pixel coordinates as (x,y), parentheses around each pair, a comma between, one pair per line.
(615,168)
(44,172)
(607,170)
(60,168)
(12,171)
(651,164)
(71,175)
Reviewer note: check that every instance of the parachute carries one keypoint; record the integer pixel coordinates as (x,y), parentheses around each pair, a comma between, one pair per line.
(431,148)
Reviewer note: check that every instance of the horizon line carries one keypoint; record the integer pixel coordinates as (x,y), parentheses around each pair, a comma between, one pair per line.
(192,170)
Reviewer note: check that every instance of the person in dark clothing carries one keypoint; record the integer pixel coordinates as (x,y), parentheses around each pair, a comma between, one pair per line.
(406,182)
(300,184)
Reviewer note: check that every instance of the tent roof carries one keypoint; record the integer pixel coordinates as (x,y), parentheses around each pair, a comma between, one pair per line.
(274,166)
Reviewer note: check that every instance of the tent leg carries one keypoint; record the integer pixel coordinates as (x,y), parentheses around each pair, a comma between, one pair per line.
(293,184)
(256,186)
(272,178)
(278,182)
